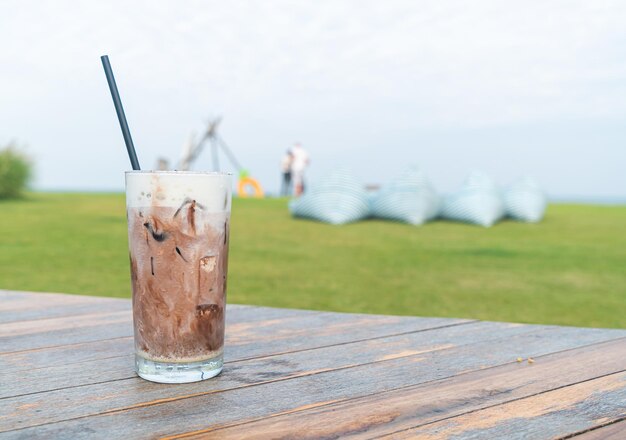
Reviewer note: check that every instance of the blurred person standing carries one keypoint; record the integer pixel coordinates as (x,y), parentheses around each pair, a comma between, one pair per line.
(298,165)
(285,166)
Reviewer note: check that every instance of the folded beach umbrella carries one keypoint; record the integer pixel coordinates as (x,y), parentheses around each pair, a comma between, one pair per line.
(337,199)
(525,201)
(479,201)
(408,198)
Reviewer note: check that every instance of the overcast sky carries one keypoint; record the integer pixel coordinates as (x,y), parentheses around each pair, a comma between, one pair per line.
(510,88)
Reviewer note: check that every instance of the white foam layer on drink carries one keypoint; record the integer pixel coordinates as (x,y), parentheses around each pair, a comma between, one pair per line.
(173,188)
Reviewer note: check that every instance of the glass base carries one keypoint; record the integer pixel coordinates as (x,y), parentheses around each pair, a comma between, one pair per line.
(175,372)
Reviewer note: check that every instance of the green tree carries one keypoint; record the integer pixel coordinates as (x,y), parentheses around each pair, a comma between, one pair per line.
(16,170)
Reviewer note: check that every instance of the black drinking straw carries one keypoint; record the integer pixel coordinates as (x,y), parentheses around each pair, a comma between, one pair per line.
(120,112)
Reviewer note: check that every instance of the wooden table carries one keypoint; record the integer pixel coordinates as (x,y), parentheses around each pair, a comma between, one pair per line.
(67,372)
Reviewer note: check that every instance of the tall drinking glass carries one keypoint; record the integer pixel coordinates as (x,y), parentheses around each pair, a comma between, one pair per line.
(178,231)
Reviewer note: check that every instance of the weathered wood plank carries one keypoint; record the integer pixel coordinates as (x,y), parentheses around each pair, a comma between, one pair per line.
(70,330)
(14,364)
(16,301)
(271,330)
(67,330)
(206,406)
(26,306)
(297,333)
(553,414)
(50,357)
(9,299)
(399,410)
(20,328)
(57,311)
(614,431)
(23,306)
(119,364)
(70,353)
(15,295)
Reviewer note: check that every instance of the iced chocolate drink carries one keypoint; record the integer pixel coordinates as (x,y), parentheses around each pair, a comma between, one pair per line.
(178,227)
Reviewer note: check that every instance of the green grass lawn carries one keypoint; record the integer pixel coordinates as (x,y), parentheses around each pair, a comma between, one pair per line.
(569,269)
